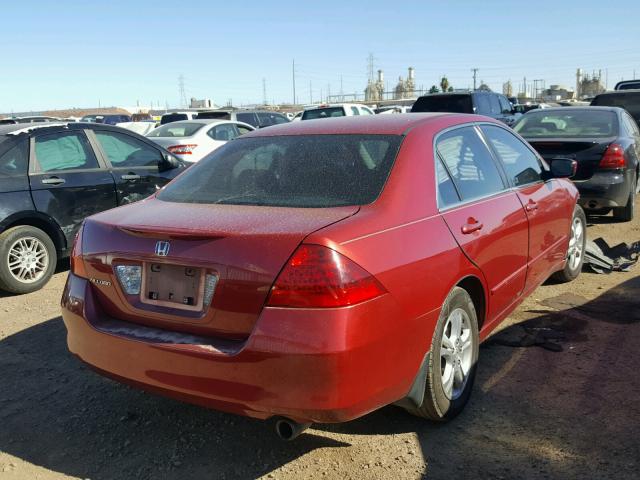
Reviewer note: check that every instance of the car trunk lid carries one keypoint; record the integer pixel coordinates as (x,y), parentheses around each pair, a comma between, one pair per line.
(243,247)
(587,152)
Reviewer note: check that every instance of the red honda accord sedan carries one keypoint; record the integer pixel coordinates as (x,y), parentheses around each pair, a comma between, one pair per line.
(319,270)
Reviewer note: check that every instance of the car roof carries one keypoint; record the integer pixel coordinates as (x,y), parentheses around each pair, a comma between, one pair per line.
(203,121)
(546,111)
(366,124)
(15,129)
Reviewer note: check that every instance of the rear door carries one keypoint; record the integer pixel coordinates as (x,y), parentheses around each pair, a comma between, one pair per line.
(484,215)
(548,206)
(67,180)
(133,164)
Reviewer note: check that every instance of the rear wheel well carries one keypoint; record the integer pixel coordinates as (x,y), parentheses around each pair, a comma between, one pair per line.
(474,288)
(56,236)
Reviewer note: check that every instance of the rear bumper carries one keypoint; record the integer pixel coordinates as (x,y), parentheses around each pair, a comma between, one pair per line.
(308,365)
(605,190)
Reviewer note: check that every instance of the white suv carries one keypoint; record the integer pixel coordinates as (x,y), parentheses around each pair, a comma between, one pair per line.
(336,110)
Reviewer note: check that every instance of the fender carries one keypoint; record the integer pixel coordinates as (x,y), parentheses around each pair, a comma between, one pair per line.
(39,220)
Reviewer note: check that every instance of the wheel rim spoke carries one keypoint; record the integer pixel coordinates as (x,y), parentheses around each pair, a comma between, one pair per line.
(27,259)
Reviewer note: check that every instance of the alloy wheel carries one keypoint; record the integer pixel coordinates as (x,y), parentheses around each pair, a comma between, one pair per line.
(576,244)
(456,353)
(28,259)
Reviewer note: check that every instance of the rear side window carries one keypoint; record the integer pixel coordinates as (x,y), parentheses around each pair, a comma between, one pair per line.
(13,157)
(64,151)
(126,151)
(176,129)
(447,193)
(290,171)
(470,163)
(520,163)
(323,113)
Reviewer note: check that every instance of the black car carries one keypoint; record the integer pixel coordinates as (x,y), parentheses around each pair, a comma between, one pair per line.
(255,118)
(627,99)
(52,177)
(605,142)
(480,102)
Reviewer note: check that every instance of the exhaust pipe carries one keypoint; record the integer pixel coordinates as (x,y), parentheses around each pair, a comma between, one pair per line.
(288,429)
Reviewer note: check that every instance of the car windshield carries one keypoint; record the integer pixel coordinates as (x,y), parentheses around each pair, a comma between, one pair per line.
(290,171)
(630,101)
(323,113)
(568,124)
(443,103)
(176,129)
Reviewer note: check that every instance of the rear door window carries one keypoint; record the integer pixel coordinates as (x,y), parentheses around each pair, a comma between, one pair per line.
(470,163)
(64,151)
(520,163)
(126,151)
(249,118)
(494,105)
(447,193)
(483,107)
(224,132)
(505,106)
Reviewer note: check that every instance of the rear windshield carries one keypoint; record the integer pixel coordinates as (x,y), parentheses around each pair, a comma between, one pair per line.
(630,101)
(222,115)
(567,124)
(323,113)
(444,103)
(173,117)
(290,171)
(629,86)
(176,129)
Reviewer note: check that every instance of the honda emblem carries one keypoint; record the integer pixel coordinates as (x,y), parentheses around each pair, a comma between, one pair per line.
(162,248)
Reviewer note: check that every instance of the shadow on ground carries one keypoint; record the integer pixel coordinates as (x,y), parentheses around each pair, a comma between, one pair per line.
(535,413)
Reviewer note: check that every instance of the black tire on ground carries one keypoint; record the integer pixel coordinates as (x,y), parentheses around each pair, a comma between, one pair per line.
(8,238)
(626,213)
(436,405)
(571,271)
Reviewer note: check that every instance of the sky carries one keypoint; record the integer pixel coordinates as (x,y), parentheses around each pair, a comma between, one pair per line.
(67,54)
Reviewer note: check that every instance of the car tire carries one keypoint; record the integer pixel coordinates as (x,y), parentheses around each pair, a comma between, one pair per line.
(447,386)
(626,213)
(576,249)
(27,259)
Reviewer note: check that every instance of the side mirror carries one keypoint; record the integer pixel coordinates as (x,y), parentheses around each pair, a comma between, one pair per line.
(563,168)
(168,162)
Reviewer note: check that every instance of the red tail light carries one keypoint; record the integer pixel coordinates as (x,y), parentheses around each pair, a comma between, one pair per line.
(77,263)
(613,157)
(318,277)
(182,149)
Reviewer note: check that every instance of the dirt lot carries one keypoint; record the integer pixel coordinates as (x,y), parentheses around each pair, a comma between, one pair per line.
(535,412)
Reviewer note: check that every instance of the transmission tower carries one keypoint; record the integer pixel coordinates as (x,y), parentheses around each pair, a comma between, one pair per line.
(370,68)
(183,95)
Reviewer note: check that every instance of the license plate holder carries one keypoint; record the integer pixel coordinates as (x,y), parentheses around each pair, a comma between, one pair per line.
(175,286)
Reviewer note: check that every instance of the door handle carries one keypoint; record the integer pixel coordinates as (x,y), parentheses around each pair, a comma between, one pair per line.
(130,176)
(53,181)
(531,206)
(471,226)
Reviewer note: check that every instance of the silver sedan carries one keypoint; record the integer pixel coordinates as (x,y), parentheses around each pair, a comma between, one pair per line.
(191,140)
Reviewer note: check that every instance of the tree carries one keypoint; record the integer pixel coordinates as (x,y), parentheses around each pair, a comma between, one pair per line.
(434,89)
(450,89)
(444,83)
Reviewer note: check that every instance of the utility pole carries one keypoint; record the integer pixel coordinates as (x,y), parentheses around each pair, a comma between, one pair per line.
(310,93)
(342,91)
(475,75)
(264,91)
(293,72)
(328,91)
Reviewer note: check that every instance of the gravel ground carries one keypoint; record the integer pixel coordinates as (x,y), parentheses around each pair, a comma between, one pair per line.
(535,412)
